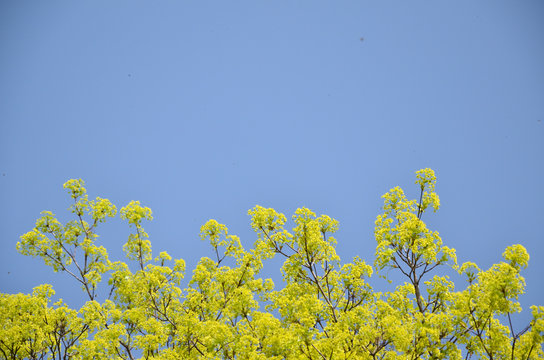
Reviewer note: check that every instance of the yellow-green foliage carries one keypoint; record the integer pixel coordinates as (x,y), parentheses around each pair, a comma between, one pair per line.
(325,309)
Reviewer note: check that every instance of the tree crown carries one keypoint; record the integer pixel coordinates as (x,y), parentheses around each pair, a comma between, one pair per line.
(325,309)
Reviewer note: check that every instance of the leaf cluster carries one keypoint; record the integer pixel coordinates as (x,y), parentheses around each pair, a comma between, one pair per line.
(325,309)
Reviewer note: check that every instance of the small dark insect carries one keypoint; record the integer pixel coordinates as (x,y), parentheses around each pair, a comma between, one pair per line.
(361,39)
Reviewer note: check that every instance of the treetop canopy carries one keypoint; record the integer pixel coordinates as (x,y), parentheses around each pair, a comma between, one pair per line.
(325,309)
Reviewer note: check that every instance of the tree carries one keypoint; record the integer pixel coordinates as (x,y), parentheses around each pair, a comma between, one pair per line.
(325,309)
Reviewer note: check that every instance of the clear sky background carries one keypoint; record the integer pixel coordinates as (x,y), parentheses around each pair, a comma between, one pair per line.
(203,109)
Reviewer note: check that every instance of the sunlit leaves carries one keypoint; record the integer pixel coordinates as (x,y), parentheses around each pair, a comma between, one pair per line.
(324,309)
(517,256)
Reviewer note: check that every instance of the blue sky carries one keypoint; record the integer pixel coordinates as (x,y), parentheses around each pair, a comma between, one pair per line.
(203,109)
